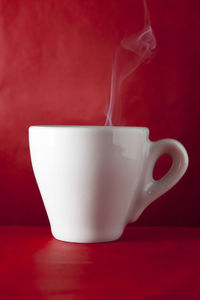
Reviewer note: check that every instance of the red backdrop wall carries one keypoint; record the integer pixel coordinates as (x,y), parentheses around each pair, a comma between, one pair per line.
(55,68)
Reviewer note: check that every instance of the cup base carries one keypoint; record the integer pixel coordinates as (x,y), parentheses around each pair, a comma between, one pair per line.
(79,239)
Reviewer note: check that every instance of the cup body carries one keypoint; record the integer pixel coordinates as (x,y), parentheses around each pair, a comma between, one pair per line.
(90,178)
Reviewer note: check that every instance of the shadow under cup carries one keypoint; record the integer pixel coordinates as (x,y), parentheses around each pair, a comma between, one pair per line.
(95,180)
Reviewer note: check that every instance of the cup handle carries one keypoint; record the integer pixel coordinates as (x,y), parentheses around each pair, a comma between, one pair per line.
(155,188)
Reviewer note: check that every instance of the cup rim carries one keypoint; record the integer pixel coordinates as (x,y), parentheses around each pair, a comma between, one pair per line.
(87,127)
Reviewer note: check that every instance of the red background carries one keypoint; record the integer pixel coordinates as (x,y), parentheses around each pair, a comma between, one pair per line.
(55,68)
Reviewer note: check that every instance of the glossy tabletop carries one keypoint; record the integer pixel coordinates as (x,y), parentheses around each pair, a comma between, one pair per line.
(146,263)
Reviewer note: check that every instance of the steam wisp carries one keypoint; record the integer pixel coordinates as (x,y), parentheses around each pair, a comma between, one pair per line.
(138,48)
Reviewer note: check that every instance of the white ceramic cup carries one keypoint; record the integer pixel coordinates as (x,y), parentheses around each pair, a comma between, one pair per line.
(95,180)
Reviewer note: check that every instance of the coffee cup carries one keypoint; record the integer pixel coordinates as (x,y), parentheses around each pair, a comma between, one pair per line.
(94,180)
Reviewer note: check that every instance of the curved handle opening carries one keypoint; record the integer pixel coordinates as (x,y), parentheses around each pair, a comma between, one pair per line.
(162,166)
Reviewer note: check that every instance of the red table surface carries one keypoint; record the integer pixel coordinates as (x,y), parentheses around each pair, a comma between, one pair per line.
(146,263)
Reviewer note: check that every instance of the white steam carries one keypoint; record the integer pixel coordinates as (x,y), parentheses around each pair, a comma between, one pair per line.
(140,47)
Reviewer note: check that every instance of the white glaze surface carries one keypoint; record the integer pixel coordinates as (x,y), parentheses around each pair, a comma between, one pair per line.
(94,180)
